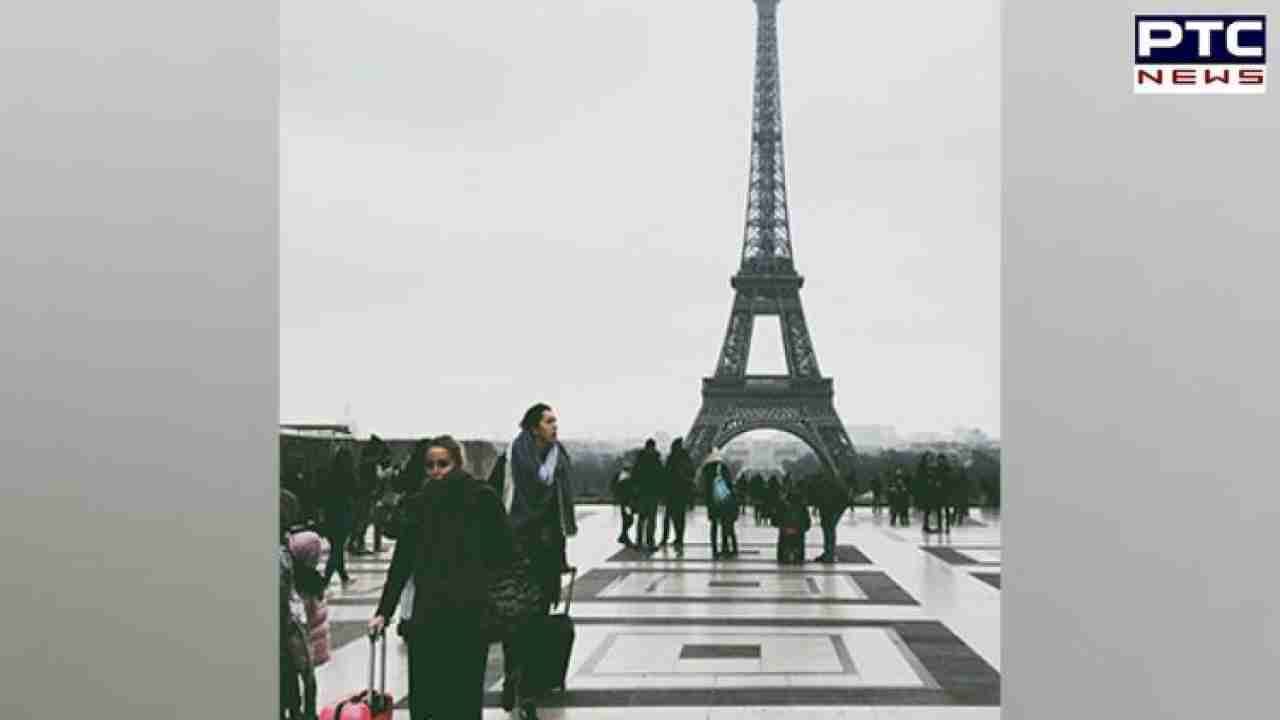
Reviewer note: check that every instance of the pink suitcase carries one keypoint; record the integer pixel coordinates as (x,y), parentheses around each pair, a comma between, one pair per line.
(367,704)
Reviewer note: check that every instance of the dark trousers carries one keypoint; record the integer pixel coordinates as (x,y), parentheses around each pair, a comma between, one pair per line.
(938,515)
(446,670)
(628,519)
(360,526)
(728,536)
(673,516)
(296,703)
(337,537)
(648,527)
(830,520)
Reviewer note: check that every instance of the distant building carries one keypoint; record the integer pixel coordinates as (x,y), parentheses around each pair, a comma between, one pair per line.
(927,438)
(971,436)
(873,436)
(318,430)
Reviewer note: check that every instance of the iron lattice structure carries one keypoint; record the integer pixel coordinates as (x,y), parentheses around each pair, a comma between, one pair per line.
(801,402)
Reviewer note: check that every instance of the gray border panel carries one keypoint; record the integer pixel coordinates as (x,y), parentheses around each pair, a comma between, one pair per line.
(139,285)
(1141,397)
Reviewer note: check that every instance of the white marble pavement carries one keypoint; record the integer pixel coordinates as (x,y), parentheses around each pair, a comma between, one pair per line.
(694,638)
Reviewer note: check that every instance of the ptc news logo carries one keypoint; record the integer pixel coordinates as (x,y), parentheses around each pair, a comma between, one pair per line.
(1199,54)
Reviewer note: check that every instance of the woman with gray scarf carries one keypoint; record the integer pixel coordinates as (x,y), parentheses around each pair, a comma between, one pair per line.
(539,501)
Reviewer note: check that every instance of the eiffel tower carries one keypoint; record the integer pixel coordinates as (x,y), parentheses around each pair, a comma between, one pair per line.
(767,284)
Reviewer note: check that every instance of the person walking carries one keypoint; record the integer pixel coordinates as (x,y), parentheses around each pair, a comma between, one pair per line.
(296,703)
(722,506)
(679,493)
(963,494)
(623,489)
(877,491)
(305,548)
(647,474)
(457,538)
(366,493)
(891,499)
(339,512)
(540,503)
(941,487)
(831,495)
(384,473)
(772,499)
(922,488)
(899,500)
(757,491)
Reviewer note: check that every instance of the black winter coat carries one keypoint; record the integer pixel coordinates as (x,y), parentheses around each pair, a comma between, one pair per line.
(649,478)
(680,472)
(458,535)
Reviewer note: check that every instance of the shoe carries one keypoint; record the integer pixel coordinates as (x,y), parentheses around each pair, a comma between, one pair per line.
(350,583)
(529,711)
(820,559)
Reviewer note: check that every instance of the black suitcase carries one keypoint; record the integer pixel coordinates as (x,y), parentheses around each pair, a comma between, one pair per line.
(551,639)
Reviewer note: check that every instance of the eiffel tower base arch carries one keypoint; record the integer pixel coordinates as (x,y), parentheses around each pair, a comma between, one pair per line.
(805,410)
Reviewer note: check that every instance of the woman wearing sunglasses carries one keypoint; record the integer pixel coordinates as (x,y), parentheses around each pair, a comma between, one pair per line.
(456,537)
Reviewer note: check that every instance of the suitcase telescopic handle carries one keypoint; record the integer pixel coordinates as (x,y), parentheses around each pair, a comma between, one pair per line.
(373,654)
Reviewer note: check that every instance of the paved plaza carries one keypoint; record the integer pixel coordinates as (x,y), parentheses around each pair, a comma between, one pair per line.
(901,628)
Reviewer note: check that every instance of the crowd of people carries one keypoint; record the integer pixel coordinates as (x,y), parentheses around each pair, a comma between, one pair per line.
(453,532)
(648,486)
(937,489)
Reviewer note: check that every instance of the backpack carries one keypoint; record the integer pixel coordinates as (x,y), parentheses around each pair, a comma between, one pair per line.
(721,493)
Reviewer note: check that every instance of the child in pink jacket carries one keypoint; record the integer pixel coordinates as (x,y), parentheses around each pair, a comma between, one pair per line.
(305,547)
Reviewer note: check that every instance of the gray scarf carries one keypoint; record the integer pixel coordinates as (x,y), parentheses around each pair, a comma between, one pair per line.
(553,472)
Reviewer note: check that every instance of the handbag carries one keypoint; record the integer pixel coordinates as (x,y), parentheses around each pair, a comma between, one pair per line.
(512,600)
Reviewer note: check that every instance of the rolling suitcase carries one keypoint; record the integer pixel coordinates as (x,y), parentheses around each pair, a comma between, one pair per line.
(367,704)
(552,637)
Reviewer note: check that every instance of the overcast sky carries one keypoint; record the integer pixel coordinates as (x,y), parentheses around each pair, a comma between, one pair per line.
(488,204)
